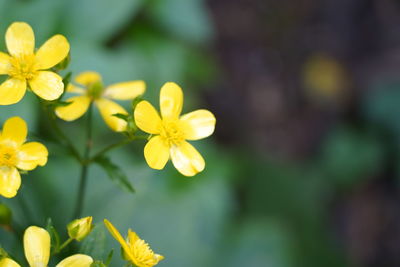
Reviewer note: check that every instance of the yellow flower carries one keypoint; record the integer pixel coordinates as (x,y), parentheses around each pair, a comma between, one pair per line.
(94,91)
(37,251)
(172,130)
(135,249)
(24,66)
(78,229)
(16,154)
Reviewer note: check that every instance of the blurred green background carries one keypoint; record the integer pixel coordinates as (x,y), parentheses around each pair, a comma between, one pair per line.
(303,169)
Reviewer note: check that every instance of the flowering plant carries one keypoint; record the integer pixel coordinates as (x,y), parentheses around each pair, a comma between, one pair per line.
(167,134)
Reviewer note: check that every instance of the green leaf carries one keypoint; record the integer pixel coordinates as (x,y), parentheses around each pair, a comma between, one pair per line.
(109,257)
(115,173)
(99,20)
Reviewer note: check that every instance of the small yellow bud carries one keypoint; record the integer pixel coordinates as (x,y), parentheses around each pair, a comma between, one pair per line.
(78,229)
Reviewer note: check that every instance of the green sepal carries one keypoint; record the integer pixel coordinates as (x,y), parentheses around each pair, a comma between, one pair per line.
(63,64)
(54,236)
(122,116)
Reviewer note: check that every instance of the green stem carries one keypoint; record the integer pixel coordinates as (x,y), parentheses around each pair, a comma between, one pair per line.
(69,240)
(116,145)
(85,165)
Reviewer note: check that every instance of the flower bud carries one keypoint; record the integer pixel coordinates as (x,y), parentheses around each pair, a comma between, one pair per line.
(78,229)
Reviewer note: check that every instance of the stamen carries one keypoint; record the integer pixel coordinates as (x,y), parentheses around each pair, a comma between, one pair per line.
(23,67)
(8,156)
(171,132)
(95,90)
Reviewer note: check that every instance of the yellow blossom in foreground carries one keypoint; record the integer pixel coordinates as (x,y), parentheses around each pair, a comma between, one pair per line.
(37,251)
(136,250)
(16,154)
(172,130)
(92,90)
(24,66)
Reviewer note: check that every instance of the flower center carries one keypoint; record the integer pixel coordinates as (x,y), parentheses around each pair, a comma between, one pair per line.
(171,132)
(8,156)
(23,67)
(143,255)
(95,90)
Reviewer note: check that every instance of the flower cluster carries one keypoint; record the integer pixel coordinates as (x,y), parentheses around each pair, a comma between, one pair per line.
(167,133)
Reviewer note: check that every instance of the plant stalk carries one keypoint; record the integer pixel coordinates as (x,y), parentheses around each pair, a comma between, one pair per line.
(85,164)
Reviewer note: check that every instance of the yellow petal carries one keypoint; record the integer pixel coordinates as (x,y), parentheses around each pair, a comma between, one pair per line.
(198,124)
(10,181)
(20,39)
(73,111)
(156,153)
(158,257)
(48,85)
(114,232)
(52,52)
(12,91)
(15,130)
(186,159)
(171,100)
(31,155)
(37,246)
(87,78)
(132,237)
(7,262)
(107,109)
(147,118)
(77,260)
(5,64)
(75,89)
(125,90)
